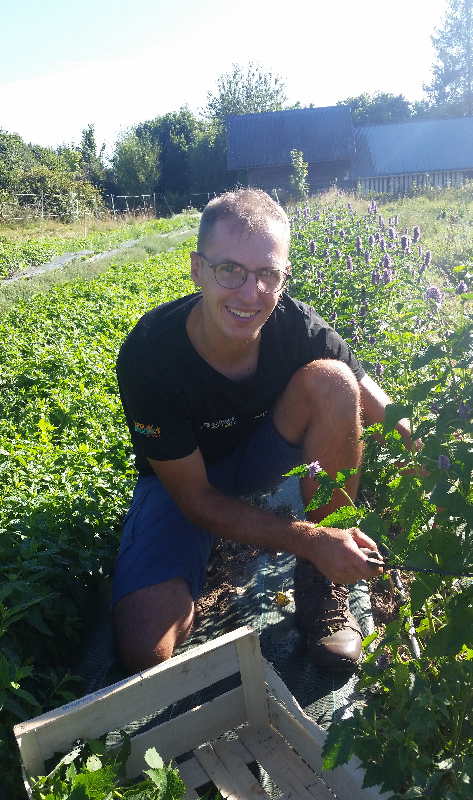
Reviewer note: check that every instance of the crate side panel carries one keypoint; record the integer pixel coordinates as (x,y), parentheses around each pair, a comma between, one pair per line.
(189,730)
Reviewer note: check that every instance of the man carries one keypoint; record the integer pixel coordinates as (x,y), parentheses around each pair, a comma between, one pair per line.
(225,391)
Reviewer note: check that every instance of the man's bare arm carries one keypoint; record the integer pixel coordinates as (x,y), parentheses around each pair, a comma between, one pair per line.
(335,552)
(374,401)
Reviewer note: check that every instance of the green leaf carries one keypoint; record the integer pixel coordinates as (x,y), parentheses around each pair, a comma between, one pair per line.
(153,759)
(98,748)
(374,526)
(368,639)
(432,352)
(344,517)
(302,470)
(93,763)
(393,413)
(423,588)
(322,496)
(450,639)
(338,747)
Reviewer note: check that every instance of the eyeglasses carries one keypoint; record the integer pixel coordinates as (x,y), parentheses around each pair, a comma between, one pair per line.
(231,276)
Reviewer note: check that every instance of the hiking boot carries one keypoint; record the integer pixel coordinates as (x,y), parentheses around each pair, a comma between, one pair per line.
(322,611)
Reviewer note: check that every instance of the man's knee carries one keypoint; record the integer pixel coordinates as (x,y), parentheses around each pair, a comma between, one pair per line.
(329,383)
(150,622)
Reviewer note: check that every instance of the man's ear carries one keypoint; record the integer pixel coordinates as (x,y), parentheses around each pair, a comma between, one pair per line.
(196,268)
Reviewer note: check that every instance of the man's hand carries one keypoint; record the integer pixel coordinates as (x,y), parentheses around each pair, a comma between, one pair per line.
(337,555)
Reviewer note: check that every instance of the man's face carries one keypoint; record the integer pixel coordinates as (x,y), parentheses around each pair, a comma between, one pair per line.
(238,314)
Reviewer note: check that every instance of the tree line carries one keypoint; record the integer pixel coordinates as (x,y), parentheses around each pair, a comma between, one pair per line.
(182,156)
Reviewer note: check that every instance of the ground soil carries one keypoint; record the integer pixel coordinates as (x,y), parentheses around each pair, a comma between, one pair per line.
(228,562)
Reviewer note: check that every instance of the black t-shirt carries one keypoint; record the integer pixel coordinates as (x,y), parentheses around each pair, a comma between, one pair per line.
(175,401)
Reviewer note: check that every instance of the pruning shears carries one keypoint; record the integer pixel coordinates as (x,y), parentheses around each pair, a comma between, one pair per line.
(376,560)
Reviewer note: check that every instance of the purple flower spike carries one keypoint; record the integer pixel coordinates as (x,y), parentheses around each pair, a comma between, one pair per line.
(371,240)
(434,407)
(358,245)
(350,207)
(464,412)
(375,277)
(434,293)
(396,220)
(444,462)
(349,262)
(312,246)
(338,253)
(381,221)
(336,293)
(316,216)
(427,258)
(405,243)
(392,233)
(372,339)
(416,234)
(382,245)
(333,316)
(379,369)
(462,288)
(314,469)
(387,276)
(326,253)
(356,339)
(367,257)
(382,662)
(387,261)
(341,233)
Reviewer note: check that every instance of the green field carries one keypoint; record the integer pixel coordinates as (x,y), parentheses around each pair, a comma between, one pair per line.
(66,468)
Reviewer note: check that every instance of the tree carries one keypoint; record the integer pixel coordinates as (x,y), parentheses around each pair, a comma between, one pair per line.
(92,162)
(245,92)
(298,178)
(176,133)
(135,162)
(378,109)
(451,86)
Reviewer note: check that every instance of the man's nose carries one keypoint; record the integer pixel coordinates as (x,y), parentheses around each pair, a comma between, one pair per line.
(249,288)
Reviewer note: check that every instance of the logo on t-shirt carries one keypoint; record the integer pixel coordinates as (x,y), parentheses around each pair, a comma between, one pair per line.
(147,430)
(220,423)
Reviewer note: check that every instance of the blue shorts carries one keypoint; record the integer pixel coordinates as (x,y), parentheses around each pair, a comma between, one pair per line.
(159,542)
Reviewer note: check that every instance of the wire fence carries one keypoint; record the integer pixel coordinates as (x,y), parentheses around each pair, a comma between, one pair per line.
(87,210)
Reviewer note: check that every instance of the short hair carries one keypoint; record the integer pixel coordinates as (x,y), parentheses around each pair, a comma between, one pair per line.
(250,209)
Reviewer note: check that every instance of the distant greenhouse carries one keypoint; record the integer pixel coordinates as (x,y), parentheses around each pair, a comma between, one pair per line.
(374,158)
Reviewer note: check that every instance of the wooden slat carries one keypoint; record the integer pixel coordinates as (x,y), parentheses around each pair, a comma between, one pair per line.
(279,772)
(189,730)
(252,679)
(136,697)
(242,751)
(228,785)
(190,793)
(346,781)
(236,767)
(193,774)
(311,781)
(277,686)
(31,754)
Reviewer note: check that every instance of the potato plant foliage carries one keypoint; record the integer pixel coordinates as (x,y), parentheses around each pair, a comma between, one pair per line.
(66,473)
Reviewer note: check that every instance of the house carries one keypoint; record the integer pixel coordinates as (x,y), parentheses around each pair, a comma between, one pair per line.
(373,158)
(262,144)
(391,158)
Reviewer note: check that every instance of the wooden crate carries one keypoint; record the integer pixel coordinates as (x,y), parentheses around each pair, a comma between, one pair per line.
(271,727)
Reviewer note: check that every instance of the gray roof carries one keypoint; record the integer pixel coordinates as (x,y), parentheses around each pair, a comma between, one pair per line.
(259,140)
(431,145)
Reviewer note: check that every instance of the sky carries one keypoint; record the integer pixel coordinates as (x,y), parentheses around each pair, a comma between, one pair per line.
(65,64)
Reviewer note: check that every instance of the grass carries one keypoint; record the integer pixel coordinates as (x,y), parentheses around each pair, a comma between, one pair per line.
(22,290)
(53,229)
(445,218)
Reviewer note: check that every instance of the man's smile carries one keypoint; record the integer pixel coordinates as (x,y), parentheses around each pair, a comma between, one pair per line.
(244,314)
